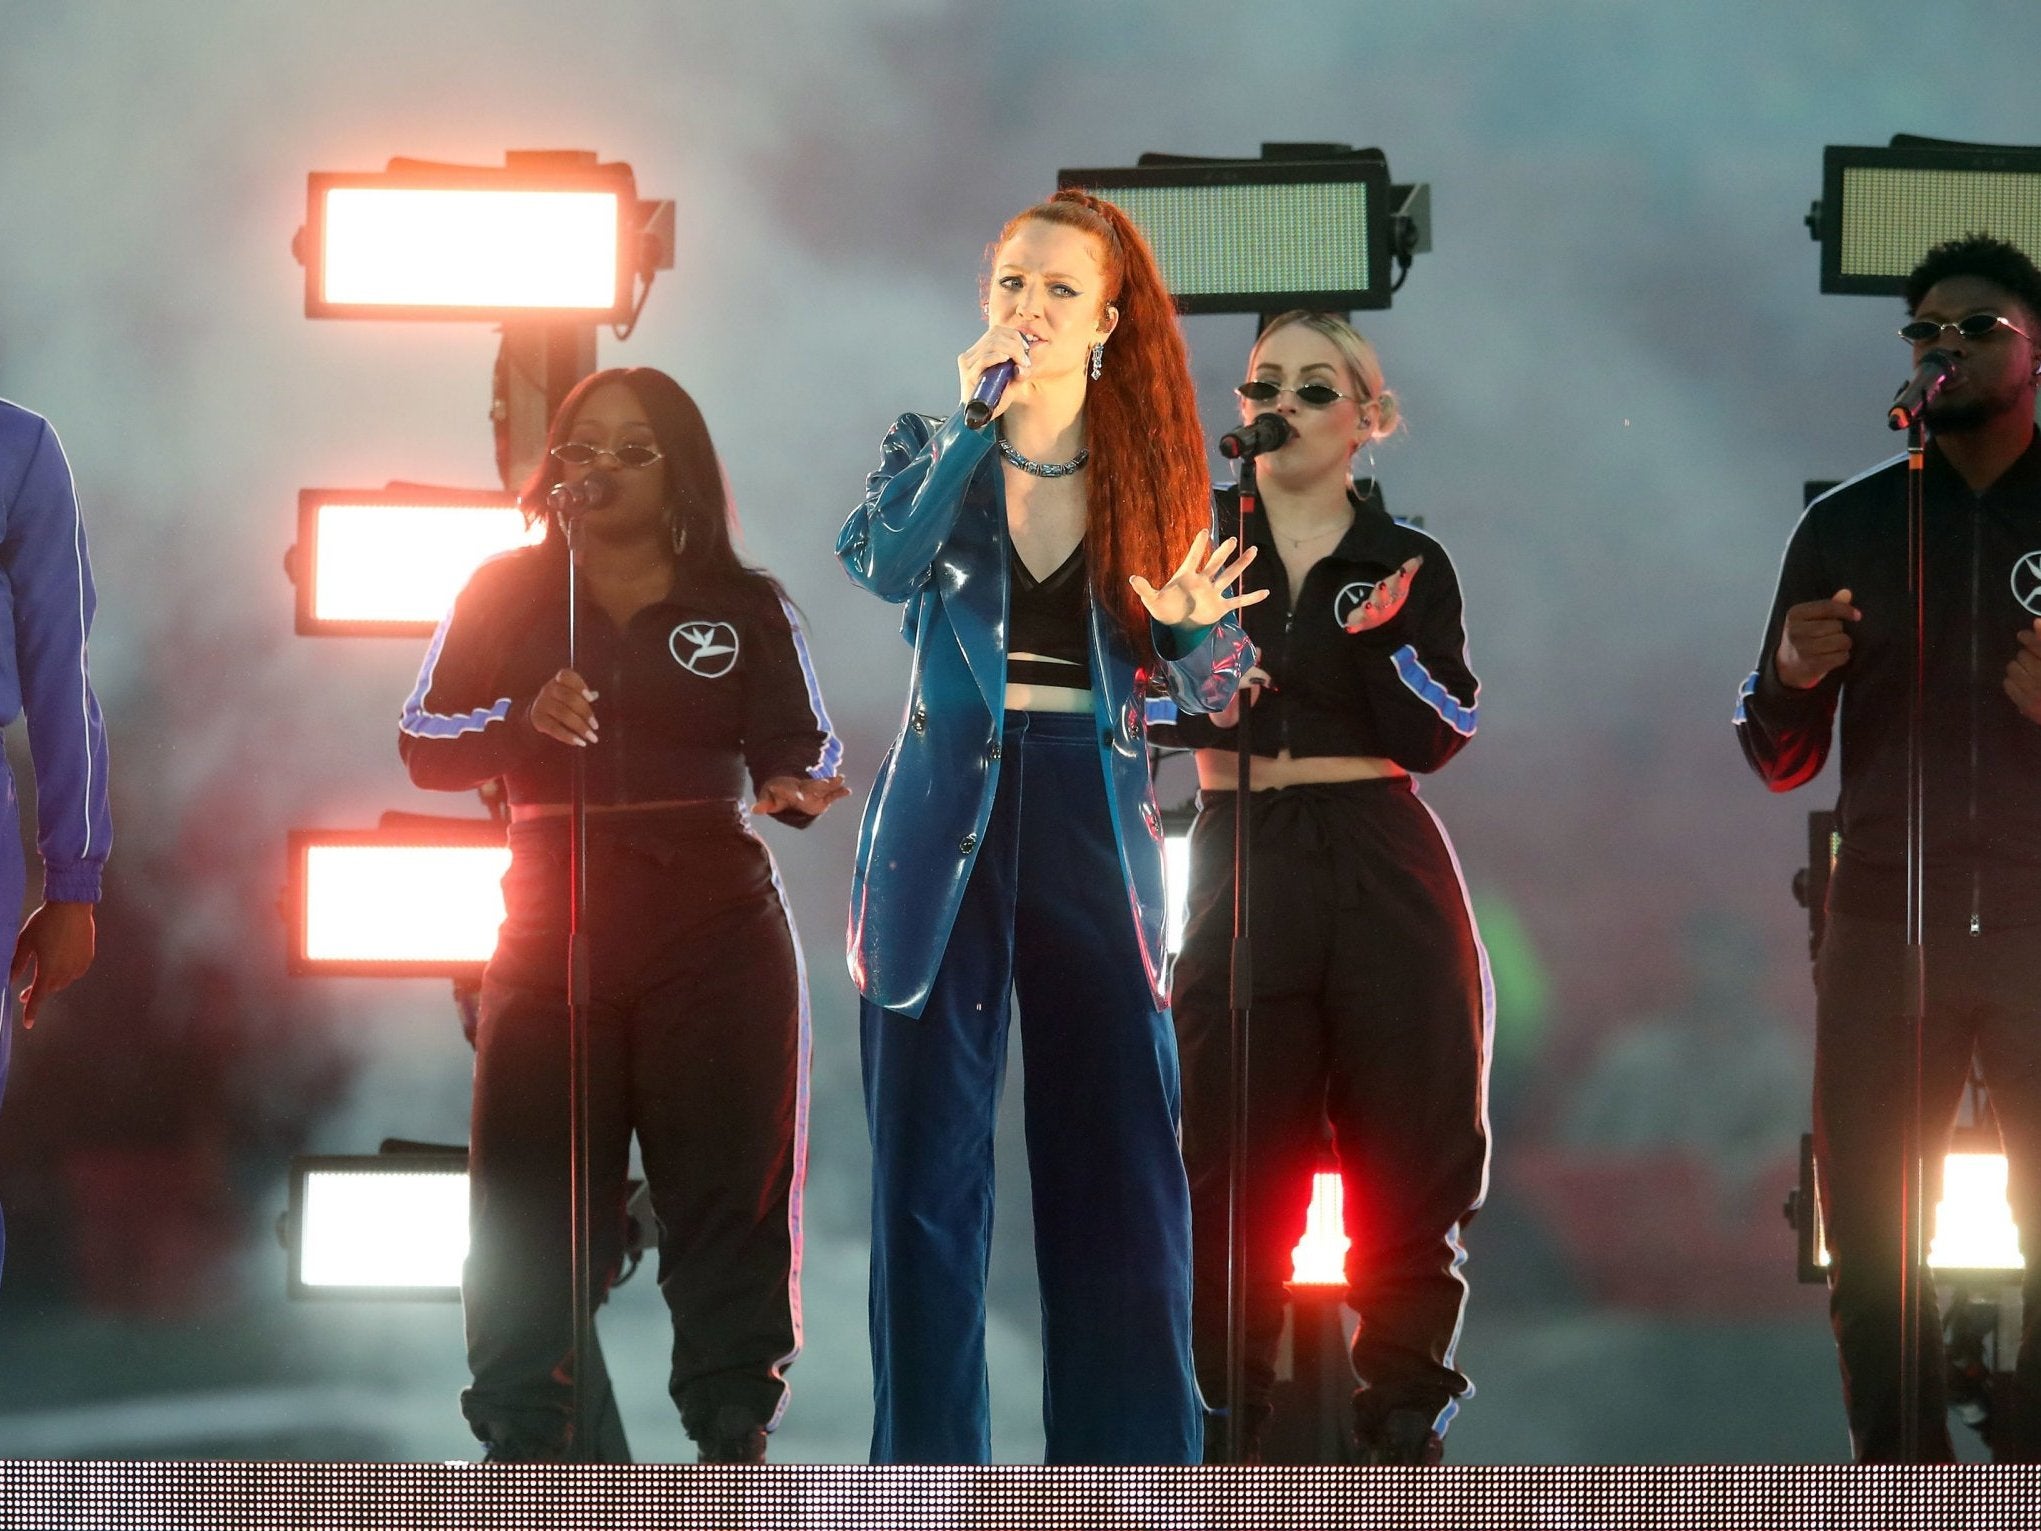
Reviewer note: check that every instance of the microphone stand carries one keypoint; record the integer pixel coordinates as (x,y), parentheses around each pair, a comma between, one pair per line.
(1240,998)
(1912,1187)
(582,1445)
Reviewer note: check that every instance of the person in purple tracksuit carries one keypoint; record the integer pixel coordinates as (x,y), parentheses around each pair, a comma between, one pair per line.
(46,583)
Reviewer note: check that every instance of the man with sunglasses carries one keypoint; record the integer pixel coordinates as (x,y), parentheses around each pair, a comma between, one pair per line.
(1840,636)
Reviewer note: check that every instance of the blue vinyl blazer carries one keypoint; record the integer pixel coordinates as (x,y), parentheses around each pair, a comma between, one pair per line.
(931,533)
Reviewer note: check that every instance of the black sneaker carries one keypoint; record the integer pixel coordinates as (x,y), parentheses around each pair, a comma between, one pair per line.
(1399,1438)
(736,1436)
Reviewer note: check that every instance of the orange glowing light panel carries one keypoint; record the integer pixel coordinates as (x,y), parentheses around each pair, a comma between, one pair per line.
(1320,1256)
(402,248)
(387,562)
(421,241)
(398,908)
(1974,1227)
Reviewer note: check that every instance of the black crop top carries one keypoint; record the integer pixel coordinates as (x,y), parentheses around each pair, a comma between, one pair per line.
(1048,618)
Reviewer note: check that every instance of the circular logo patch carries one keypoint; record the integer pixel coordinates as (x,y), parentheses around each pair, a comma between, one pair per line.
(2027,581)
(1349,597)
(707,649)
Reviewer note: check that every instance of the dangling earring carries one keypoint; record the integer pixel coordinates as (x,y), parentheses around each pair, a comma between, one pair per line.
(677,529)
(1098,359)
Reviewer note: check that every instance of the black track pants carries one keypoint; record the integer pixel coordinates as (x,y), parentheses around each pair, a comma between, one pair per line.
(1984,996)
(698,1045)
(1371,1010)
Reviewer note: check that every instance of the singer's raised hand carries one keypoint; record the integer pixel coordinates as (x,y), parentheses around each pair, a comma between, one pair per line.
(2023,673)
(564,709)
(1000,342)
(1814,640)
(1386,599)
(1195,596)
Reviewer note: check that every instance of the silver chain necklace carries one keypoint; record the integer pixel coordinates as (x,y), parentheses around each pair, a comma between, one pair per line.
(1044,469)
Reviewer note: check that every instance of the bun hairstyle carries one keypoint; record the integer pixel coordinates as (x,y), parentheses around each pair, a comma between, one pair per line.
(1364,368)
(1147,492)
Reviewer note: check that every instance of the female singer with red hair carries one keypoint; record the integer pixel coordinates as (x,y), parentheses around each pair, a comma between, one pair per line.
(1012,848)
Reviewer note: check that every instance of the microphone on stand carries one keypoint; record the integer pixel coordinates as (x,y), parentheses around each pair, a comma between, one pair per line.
(1918,391)
(1264,433)
(591,492)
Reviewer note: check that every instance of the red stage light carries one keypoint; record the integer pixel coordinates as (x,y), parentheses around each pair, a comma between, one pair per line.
(418,241)
(1320,1256)
(389,562)
(413,901)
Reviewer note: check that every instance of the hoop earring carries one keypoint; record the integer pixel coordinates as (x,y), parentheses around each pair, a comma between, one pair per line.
(1098,359)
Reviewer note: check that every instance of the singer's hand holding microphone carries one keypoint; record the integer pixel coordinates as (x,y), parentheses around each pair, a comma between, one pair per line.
(986,370)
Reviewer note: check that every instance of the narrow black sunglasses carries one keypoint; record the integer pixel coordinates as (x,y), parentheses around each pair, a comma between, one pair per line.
(1317,395)
(578,454)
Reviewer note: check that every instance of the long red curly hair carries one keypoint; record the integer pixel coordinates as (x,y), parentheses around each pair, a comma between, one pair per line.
(1147,493)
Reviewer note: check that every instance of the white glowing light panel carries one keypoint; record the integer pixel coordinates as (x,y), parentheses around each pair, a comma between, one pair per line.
(1320,1256)
(1301,237)
(413,248)
(403,903)
(368,1228)
(396,563)
(1891,216)
(1974,1228)
(1176,889)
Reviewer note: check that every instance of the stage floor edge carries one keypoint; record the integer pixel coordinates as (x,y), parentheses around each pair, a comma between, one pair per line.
(341,1496)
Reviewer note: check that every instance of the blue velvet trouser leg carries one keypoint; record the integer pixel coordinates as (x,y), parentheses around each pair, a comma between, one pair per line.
(1045,918)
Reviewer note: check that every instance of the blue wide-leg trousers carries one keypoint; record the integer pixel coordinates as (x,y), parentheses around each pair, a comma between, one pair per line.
(1045,920)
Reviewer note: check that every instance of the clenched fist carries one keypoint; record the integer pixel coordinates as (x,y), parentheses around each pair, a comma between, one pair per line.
(1815,640)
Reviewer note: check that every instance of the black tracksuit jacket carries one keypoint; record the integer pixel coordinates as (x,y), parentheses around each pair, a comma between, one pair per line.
(691,691)
(1401,691)
(1982,824)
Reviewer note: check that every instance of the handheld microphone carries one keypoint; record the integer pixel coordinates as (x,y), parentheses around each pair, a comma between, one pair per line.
(1919,391)
(592,492)
(1264,433)
(985,397)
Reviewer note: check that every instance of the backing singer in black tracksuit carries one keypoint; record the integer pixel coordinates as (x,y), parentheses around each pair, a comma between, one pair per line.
(1841,636)
(692,673)
(1371,1005)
